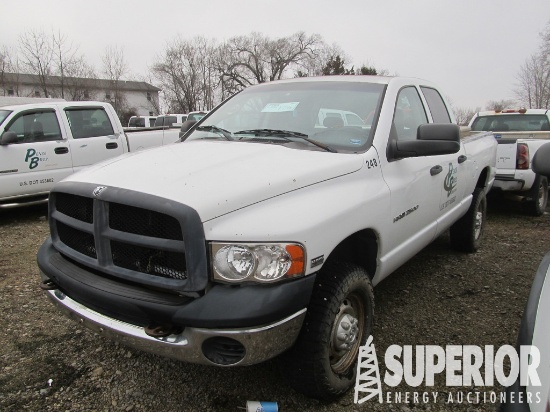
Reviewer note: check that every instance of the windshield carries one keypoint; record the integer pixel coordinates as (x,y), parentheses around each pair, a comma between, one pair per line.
(512,123)
(335,114)
(3,115)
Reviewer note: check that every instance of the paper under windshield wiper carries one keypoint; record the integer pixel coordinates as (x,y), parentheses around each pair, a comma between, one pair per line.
(216,129)
(286,133)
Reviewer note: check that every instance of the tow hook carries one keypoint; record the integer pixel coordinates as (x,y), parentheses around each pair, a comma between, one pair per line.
(48,284)
(158,331)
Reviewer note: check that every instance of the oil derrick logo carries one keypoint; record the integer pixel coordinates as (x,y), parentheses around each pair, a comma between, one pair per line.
(367,380)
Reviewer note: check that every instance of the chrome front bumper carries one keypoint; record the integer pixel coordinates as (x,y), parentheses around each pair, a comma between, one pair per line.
(261,343)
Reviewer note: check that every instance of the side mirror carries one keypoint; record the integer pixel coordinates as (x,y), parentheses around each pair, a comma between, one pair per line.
(8,138)
(431,139)
(185,126)
(439,131)
(541,161)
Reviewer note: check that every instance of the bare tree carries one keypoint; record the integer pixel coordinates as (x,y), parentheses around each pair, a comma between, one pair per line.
(314,65)
(155,101)
(533,89)
(246,60)
(64,56)
(463,115)
(499,105)
(10,71)
(186,75)
(115,68)
(80,81)
(4,59)
(37,55)
(545,47)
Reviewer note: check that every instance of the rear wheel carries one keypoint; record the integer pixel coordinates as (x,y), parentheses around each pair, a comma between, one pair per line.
(466,233)
(322,363)
(538,197)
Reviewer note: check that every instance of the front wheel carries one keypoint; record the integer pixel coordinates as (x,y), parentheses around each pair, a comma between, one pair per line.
(322,364)
(466,233)
(538,197)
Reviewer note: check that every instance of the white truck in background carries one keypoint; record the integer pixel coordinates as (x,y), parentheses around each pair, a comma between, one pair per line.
(166,129)
(142,121)
(519,134)
(42,143)
(169,120)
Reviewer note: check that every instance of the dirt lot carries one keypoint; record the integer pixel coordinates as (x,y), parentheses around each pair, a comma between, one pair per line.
(438,298)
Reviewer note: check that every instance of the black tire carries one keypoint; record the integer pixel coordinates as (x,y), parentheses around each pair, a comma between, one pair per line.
(321,365)
(467,232)
(537,200)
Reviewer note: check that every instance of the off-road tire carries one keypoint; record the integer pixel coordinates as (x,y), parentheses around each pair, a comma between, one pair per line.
(314,366)
(538,197)
(467,232)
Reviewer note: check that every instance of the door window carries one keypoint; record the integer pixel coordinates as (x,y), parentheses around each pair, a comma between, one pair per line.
(409,114)
(31,127)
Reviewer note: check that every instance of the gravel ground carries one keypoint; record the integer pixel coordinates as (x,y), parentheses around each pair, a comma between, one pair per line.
(440,297)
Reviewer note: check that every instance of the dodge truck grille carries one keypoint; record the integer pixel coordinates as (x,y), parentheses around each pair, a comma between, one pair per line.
(80,241)
(131,242)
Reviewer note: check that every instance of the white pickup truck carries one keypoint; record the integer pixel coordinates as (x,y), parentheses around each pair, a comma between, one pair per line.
(42,143)
(519,134)
(264,231)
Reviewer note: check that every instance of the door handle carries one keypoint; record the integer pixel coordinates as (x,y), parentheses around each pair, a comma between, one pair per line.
(462,158)
(436,170)
(61,150)
(111,145)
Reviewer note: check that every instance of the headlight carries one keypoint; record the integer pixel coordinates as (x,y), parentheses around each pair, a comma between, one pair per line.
(257,262)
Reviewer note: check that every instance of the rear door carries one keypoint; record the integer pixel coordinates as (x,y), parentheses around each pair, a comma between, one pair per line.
(40,157)
(94,137)
(451,181)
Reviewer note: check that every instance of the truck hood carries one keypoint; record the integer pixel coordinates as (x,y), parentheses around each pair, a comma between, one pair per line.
(217,177)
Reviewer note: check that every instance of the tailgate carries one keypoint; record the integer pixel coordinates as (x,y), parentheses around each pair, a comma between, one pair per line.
(506,154)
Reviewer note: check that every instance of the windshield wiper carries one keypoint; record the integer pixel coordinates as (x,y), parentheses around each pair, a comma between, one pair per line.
(287,133)
(216,129)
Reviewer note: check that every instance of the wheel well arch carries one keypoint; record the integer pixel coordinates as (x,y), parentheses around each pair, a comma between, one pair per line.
(482,181)
(360,248)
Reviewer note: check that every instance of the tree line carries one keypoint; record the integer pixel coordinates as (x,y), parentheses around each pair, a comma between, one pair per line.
(198,73)
(193,74)
(533,88)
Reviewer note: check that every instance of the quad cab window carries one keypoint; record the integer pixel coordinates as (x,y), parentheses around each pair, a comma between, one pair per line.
(89,122)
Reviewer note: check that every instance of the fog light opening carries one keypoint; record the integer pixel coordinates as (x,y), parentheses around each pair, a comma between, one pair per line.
(223,351)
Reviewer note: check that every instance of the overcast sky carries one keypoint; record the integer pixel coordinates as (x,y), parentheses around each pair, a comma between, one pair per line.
(472,49)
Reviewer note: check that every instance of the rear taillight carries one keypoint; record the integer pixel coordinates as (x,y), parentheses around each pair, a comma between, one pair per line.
(522,158)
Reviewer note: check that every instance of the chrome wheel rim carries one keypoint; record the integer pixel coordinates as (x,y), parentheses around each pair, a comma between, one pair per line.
(347,333)
(478,222)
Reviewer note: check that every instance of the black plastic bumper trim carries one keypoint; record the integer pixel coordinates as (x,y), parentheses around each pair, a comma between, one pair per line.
(221,307)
